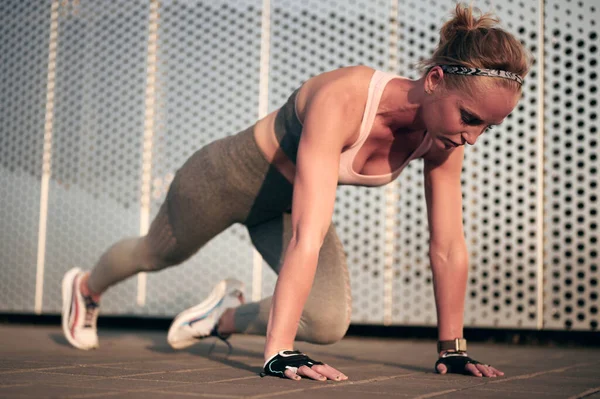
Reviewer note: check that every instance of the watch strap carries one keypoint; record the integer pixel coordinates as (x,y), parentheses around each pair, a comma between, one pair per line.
(453,345)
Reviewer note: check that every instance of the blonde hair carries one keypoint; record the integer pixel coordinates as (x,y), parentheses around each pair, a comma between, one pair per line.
(477,42)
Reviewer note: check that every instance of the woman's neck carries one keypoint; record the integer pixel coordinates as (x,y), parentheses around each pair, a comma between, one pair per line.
(400,105)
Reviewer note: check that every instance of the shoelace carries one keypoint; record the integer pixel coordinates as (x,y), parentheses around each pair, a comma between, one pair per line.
(224,338)
(90,311)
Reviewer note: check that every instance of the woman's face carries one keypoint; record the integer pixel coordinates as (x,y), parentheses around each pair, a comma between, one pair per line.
(456,118)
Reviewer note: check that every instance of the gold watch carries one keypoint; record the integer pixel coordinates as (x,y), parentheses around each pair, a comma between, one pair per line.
(454,345)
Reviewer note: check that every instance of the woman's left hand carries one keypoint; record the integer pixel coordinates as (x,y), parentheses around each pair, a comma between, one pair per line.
(463,364)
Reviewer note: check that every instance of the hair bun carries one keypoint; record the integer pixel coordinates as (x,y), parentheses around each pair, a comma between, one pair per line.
(465,21)
(477,41)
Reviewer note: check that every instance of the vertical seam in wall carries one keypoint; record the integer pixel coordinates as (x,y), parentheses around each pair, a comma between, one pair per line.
(263,105)
(46,158)
(390,191)
(540,170)
(148,140)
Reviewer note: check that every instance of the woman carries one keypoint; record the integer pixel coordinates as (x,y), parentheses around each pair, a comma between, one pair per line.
(349,126)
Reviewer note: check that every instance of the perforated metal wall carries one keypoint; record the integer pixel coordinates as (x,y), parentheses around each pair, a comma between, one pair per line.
(207,88)
(97,138)
(571,207)
(172,79)
(412,290)
(498,182)
(23,81)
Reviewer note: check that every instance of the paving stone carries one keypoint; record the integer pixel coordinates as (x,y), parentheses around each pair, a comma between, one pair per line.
(42,390)
(206,375)
(124,384)
(39,377)
(490,393)
(163,395)
(239,388)
(325,394)
(547,384)
(413,386)
(35,361)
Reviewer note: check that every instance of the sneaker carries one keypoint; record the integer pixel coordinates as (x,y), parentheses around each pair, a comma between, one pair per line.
(201,321)
(79,313)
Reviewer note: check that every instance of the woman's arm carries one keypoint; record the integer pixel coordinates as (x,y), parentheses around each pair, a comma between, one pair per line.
(331,115)
(447,249)
(449,259)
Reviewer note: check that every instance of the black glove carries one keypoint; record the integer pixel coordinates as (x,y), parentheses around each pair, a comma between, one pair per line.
(284,360)
(455,362)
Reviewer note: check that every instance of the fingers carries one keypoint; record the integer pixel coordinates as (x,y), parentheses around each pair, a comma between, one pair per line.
(294,373)
(483,370)
(473,369)
(306,371)
(330,372)
(291,374)
(320,372)
(486,370)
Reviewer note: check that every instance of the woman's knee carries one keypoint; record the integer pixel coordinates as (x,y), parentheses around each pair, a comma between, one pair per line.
(157,263)
(322,325)
(160,248)
(158,257)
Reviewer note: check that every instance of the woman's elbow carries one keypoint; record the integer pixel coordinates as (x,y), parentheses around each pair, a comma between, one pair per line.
(308,242)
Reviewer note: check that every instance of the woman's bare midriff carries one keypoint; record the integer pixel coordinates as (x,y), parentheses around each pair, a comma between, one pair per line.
(264,133)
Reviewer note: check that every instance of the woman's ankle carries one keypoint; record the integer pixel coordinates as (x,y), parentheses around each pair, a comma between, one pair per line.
(85,289)
(226,323)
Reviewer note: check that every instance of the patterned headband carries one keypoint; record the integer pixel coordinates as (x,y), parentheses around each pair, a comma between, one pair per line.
(495,73)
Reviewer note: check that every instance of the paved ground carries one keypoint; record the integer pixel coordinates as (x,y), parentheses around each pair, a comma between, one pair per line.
(36,361)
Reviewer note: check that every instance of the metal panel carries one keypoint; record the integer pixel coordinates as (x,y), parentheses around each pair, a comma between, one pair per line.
(96,153)
(206,86)
(571,206)
(25,33)
(207,81)
(311,37)
(498,183)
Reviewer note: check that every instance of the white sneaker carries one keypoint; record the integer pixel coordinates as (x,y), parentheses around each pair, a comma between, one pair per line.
(79,313)
(201,320)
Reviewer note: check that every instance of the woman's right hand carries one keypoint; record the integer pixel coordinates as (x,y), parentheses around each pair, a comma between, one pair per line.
(319,372)
(295,365)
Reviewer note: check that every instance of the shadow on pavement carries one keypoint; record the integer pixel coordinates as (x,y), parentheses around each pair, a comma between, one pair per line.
(218,351)
(59,339)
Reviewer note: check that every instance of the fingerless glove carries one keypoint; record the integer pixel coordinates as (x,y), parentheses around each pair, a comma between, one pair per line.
(284,360)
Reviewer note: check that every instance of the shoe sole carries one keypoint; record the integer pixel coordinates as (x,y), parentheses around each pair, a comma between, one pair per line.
(213,298)
(67,293)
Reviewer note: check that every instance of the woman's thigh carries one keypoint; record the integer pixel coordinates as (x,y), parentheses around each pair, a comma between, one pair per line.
(227,181)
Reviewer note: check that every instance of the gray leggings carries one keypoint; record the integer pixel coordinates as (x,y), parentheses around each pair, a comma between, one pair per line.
(230,181)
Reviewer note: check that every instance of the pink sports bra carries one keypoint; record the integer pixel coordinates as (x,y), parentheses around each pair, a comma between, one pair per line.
(347,175)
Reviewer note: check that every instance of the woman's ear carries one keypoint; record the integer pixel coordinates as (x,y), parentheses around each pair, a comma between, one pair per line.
(433,79)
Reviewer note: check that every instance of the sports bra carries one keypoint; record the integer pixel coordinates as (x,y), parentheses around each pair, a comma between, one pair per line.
(288,130)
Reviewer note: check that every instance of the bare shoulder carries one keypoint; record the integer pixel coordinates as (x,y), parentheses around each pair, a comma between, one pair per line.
(348,76)
(348,85)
